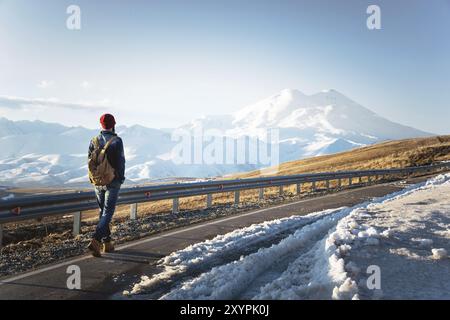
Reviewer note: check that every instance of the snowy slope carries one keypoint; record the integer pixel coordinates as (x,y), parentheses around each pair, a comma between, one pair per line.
(37,153)
(324,255)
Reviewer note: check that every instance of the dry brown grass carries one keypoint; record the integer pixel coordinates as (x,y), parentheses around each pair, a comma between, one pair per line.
(190,203)
(391,154)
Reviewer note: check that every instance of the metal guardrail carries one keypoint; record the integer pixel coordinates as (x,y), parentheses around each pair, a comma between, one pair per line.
(39,206)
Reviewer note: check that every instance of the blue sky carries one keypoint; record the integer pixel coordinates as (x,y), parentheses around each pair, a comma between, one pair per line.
(162,63)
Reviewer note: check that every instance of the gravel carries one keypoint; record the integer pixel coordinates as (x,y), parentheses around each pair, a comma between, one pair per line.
(32,247)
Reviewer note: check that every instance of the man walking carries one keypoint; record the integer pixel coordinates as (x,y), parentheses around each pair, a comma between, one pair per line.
(106,162)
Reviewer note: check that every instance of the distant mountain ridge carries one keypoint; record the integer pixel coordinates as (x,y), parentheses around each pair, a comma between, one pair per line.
(328,112)
(40,153)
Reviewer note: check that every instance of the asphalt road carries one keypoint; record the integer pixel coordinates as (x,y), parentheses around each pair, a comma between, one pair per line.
(107,277)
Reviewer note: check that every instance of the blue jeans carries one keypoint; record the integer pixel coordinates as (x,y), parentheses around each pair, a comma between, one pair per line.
(106,199)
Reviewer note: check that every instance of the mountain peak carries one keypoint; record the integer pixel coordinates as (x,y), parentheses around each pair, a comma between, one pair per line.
(289,93)
(295,94)
(330,91)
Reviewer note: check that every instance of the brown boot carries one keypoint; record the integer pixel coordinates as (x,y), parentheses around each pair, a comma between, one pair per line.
(108,247)
(95,248)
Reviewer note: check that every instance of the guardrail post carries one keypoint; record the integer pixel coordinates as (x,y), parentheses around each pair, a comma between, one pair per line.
(299,188)
(313,186)
(261,193)
(350,181)
(133,211)
(175,205)
(327,184)
(369,179)
(1,236)
(76,223)
(209,200)
(236,198)
(281,191)
(360,180)
(339,182)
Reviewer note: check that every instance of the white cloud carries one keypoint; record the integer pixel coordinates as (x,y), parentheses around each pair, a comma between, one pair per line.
(45,84)
(10,102)
(85,113)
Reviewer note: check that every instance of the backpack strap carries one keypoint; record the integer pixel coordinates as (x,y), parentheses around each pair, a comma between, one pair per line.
(95,142)
(103,151)
(108,144)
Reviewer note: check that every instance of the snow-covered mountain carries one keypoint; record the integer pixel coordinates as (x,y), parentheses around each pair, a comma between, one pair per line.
(39,153)
(309,125)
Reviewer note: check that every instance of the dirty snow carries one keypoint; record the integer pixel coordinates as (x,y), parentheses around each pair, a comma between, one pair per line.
(439,253)
(210,250)
(326,255)
(8,197)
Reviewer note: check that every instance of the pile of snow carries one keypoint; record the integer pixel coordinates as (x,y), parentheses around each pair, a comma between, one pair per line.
(227,281)
(351,234)
(423,242)
(439,253)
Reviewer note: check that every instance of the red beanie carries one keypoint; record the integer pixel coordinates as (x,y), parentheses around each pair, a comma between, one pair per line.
(107,121)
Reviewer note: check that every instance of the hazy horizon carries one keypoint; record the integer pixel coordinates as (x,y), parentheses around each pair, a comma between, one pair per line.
(128,125)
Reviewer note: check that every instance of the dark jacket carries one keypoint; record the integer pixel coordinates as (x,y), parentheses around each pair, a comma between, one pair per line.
(115,154)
